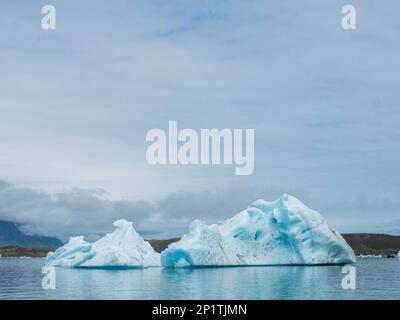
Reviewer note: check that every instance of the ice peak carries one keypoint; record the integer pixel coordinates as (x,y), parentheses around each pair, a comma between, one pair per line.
(291,202)
(285,199)
(123,224)
(288,198)
(76,241)
(260,204)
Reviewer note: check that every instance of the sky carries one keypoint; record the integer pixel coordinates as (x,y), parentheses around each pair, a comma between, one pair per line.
(76,104)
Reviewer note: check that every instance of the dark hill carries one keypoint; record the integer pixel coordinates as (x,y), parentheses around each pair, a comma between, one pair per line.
(10,235)
(373,243)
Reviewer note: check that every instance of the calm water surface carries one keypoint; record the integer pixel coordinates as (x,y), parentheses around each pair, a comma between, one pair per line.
(376,279)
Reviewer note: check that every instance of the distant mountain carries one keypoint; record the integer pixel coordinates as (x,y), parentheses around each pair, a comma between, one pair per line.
(10,235)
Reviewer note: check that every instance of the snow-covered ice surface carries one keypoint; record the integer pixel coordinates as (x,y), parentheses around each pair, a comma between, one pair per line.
(282,232)
(123,248)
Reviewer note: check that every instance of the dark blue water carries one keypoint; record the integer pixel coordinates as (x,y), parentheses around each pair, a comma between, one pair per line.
(376,279)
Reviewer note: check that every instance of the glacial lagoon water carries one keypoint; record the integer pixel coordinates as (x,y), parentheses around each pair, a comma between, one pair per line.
(376,279)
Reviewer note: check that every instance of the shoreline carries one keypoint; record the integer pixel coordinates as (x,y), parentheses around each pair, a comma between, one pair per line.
(363,244)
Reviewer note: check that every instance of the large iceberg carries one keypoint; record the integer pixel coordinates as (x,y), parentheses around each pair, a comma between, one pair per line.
(282,232)
(123,248)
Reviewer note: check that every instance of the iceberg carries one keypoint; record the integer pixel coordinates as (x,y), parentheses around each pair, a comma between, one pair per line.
(123,248)
(281,232)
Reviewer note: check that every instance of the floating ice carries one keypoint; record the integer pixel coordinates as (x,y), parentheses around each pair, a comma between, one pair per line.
(377,256)
(281,232)
(123,248)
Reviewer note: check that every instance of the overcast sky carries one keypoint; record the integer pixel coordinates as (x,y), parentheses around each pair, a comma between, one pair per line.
(76,104)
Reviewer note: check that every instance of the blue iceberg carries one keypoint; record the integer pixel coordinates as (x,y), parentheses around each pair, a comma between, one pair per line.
(123,248)
(281,232)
